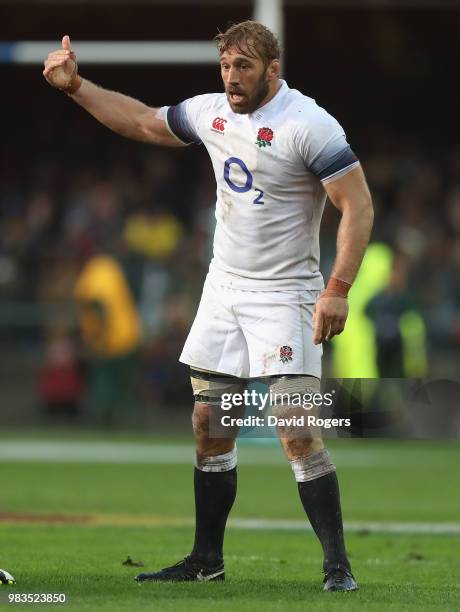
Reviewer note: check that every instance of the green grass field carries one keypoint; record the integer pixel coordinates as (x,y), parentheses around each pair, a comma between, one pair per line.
(66,526)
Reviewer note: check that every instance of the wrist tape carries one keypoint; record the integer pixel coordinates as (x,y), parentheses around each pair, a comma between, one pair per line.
(336,288)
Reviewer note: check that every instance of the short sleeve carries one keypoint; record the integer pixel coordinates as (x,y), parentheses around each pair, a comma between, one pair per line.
(323,147)
(182,120)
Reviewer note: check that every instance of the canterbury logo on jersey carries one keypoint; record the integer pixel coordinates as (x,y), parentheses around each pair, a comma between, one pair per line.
(218,125)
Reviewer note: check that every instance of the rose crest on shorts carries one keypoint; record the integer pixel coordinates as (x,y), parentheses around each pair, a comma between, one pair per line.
(286,354)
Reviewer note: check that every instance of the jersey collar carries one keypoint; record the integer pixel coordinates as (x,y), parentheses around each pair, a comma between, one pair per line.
(262,110)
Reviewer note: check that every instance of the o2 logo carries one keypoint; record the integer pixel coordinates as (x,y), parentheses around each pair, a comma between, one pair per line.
(249,179)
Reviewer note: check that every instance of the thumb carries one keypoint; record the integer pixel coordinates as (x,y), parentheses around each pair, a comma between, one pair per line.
(66,43)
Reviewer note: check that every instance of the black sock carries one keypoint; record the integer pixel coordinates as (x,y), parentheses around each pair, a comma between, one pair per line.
(321,501)
(215,493)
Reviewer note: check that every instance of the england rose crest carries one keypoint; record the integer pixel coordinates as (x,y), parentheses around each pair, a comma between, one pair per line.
(264,137)
(286,354)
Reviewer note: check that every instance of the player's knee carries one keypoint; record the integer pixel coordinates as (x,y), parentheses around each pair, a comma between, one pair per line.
(206,444)
(200,420)
(295,448)
(212,454)
(292,404)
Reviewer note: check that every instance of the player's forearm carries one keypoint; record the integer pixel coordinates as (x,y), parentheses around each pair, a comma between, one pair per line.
(352,238)
(120,113)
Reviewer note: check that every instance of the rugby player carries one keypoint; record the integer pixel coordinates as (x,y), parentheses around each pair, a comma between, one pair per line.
(264,311)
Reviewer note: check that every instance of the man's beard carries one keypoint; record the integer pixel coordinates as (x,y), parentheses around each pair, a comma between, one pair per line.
(249,104)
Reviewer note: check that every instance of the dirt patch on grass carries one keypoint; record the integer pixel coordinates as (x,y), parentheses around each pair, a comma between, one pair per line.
(29,517)
(114,520)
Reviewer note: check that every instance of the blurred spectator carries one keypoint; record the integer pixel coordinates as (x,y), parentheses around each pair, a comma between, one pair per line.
(153,232)
(61,380)
(399,329)
(111,332)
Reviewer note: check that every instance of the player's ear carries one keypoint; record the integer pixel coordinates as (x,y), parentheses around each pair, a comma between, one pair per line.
(273,70)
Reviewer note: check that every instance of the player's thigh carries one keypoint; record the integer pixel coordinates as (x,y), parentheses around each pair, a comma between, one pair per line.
(216,342)
(213,394)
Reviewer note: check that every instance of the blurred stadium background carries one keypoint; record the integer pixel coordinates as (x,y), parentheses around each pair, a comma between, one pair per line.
(104,245)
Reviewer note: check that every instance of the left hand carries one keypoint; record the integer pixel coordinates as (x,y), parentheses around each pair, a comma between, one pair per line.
(61,66)
(329,317)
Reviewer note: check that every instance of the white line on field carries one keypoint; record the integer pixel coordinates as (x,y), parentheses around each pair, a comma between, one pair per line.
(77,451)
(356,526)
(94,452)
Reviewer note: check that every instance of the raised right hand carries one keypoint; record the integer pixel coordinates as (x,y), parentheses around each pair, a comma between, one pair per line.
(61,66)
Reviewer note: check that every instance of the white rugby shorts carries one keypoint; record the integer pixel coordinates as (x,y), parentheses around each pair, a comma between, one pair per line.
(253,334)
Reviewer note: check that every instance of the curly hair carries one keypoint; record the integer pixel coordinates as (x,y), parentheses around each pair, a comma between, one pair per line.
(250,38)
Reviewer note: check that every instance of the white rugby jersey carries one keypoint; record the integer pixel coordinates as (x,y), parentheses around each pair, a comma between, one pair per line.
(269,166)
